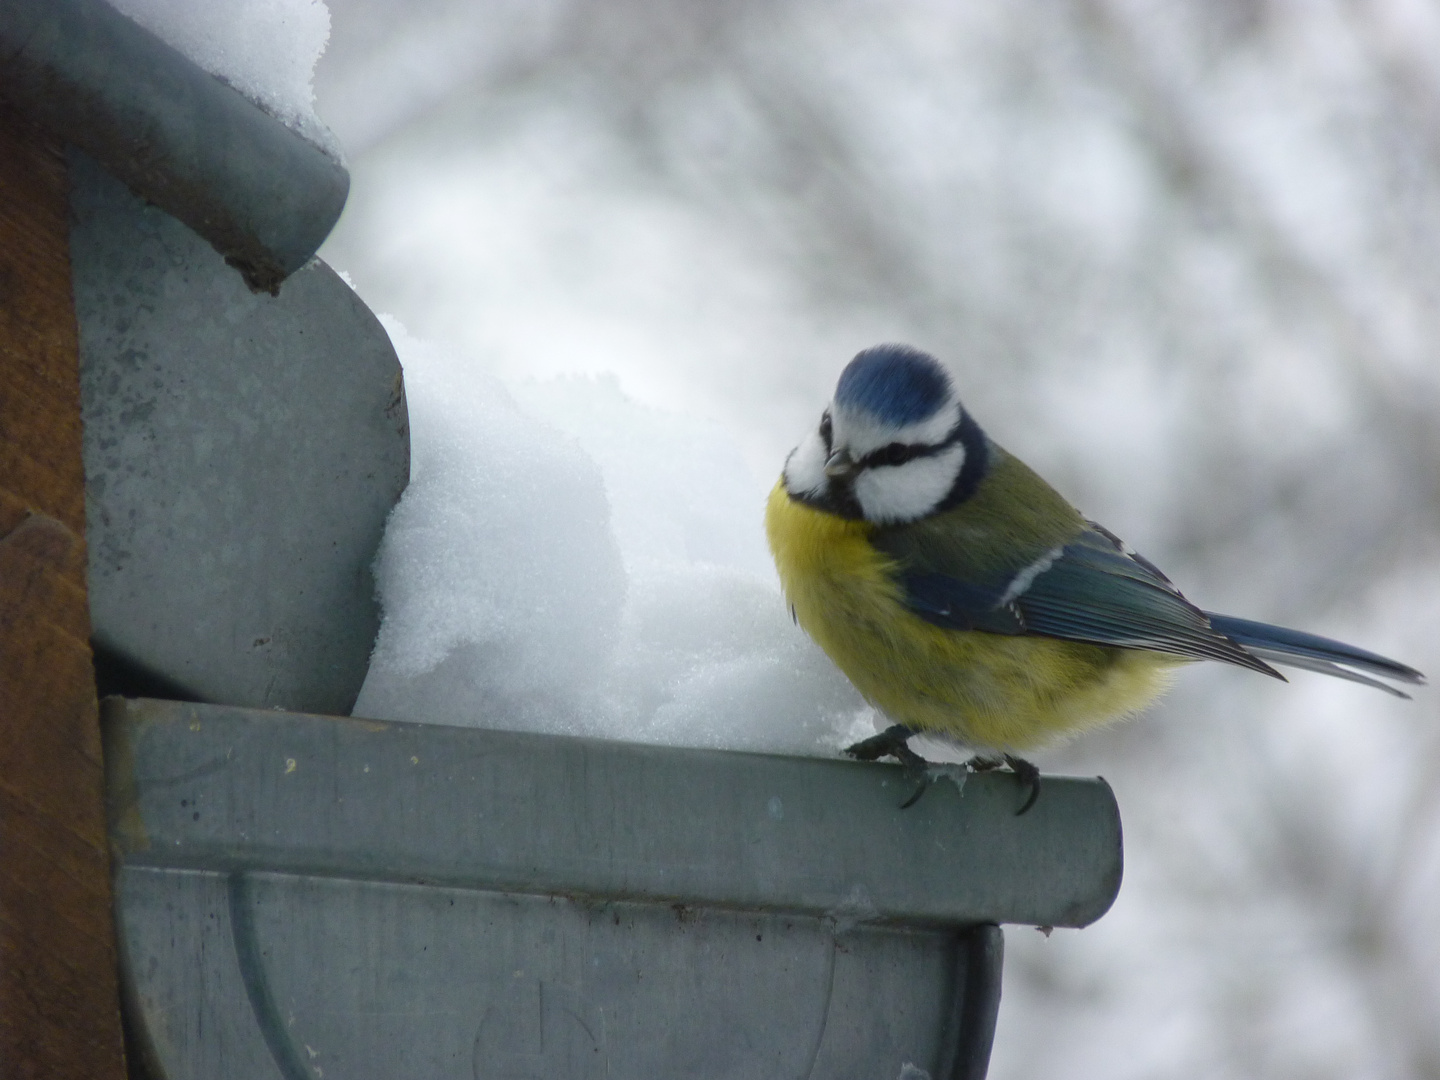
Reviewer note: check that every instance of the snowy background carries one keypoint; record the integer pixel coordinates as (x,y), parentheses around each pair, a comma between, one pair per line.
(1184,260)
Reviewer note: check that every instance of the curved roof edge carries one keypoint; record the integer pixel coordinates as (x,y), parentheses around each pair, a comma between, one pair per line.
(263,195)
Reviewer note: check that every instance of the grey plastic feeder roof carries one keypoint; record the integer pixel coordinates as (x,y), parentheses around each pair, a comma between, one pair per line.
(386,899)
(241,454)
(263,195)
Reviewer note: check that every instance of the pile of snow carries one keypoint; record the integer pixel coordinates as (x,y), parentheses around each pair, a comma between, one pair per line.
(266,49)
(567,560)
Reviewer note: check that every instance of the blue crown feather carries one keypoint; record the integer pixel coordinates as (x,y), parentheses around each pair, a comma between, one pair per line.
(895,384)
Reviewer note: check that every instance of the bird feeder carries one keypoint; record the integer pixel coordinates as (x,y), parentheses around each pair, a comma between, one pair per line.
(297,893)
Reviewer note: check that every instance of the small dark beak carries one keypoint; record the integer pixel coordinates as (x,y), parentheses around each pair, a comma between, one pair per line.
(840,465)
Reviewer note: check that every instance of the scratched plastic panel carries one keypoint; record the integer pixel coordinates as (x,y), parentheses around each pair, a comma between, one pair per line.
(242,452)
(184,982)
(340,978)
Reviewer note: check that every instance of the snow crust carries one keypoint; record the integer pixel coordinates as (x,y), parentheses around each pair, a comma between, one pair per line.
(568,560)
(266,49)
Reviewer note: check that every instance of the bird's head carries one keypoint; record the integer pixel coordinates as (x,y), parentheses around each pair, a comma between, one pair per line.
(894,445)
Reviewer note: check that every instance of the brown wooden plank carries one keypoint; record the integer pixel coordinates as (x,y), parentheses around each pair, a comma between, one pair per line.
(59,1007)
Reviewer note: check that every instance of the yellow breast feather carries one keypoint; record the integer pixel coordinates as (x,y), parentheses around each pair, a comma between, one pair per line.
(993,692)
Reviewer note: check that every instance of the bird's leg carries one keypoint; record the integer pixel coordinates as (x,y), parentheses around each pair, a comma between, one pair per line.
(894,742)
(1025,772)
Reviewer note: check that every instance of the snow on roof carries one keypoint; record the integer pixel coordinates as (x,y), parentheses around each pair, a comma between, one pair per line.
(266,49)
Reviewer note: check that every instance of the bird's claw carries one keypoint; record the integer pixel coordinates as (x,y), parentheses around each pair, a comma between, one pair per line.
(932,774)
(917,770)
(1025,772)
(1028,774)
(922,779)
(894,742)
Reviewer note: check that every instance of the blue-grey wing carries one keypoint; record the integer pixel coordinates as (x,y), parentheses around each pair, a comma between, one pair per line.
(1090,590)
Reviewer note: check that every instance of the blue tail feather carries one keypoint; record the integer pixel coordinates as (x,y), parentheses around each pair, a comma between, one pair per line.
(1314,653)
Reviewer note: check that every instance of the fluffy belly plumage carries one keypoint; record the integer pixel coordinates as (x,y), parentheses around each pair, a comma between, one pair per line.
(988,691)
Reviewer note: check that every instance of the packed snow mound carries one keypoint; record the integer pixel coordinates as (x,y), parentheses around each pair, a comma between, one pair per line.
(576,563)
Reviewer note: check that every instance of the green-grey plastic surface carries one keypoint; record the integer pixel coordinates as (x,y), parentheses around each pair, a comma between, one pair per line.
(381,899)
(242,452)
(263,195)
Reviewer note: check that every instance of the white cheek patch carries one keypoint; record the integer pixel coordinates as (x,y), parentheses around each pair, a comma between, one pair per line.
(805,467)
(861,433)
(890,494)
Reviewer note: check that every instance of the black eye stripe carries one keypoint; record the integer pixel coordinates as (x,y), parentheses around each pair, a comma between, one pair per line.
(837,495)
(894,454)
(826,431)
(899,453)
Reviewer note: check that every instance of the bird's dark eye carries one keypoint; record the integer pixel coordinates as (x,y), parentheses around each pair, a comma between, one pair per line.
(825,432)
(894,454)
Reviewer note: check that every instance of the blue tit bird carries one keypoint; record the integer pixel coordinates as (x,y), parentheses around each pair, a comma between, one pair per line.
(964,597)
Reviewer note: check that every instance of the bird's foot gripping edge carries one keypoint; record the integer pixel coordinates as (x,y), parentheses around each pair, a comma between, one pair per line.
(1027,773)
(894,742)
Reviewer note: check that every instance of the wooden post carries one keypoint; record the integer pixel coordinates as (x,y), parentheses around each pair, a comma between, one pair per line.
(59,1005)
